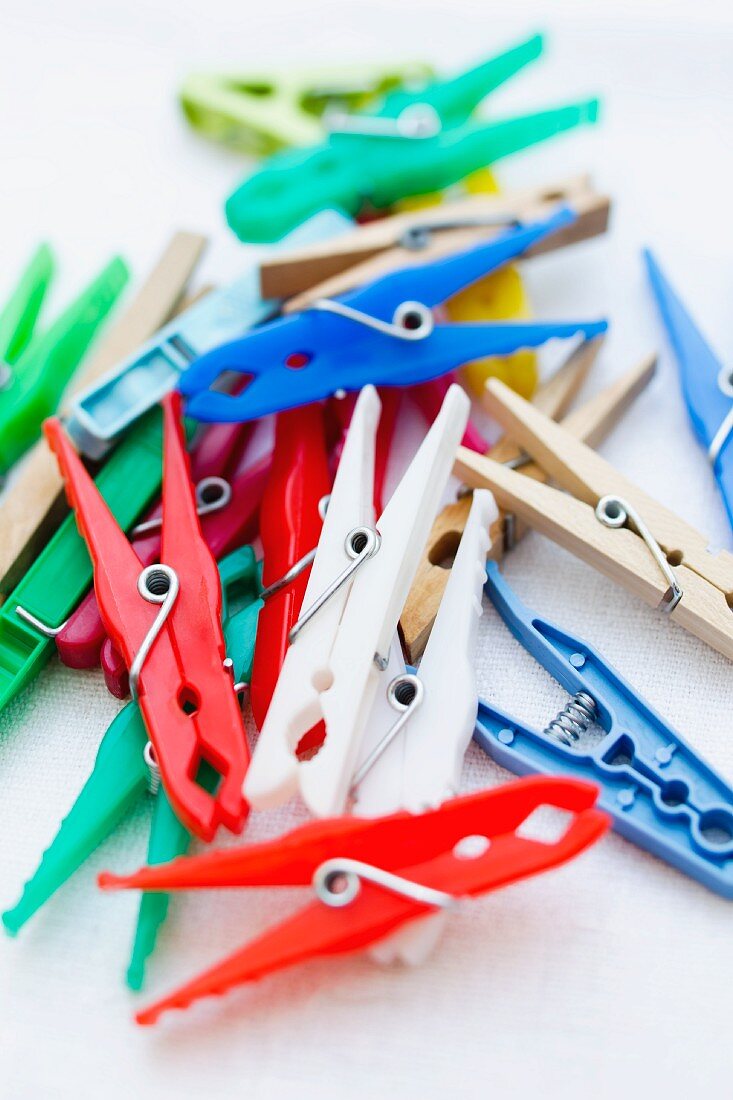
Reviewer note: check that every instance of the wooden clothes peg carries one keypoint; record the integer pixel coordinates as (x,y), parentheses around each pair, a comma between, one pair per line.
(591,423)
(606,520)
(372,250)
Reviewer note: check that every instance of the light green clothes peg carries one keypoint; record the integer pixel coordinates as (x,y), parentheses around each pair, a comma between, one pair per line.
(261,112)
(37,368)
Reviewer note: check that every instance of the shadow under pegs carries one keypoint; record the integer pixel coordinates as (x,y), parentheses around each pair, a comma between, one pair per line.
(124,769)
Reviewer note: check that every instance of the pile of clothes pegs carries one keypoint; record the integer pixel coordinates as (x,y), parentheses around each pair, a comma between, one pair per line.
(225,461)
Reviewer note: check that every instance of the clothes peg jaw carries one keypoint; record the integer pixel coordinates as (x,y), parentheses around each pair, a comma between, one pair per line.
(165,621)
(405,865)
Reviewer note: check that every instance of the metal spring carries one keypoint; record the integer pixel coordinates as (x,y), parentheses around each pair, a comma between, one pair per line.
(153,768)
(573,720)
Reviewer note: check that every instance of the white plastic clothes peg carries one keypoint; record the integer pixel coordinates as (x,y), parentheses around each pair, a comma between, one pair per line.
(359,582)
(420,767)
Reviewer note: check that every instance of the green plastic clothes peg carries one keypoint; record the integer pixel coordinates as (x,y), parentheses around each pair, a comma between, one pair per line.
(41,602)
(37,368)
(261,112)
(124,770)
(20,313)
(415,143)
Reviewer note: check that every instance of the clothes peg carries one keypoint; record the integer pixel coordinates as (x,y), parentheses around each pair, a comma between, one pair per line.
(19,314)
(166,622)
(417,735)
(124,770)
(660,794)
(368,252)
(609,522)
(100,414)
(590,423)
(339,647)
(51,588)
(428,399)
(392,399)
(32,505)
(707,384)
(290,524)
(260,112)
(415,143)
(39,368)
(228,507)
(384,334)
(372,877)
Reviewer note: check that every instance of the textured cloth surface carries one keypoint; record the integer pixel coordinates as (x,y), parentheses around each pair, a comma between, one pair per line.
(610,976)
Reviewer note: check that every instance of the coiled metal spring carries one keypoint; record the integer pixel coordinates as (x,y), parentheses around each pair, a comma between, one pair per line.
(573,720)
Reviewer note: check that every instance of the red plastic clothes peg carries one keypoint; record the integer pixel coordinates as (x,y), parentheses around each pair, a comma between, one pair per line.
(290,526)
(428,396)
(343,409)
(223,531)
(213,463)
(372,876)
(166,621)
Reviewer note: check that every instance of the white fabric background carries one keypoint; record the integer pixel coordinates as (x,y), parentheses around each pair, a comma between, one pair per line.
(611,976)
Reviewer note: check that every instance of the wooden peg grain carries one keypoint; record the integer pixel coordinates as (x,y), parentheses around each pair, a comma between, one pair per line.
(619,554)
(589,477)
(373,250)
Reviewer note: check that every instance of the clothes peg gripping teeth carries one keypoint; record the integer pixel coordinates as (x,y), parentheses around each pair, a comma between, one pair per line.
(383,334)
(394,869)
(166,622)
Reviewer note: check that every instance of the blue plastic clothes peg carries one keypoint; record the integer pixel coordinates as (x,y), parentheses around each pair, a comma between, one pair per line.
(659,792)
(383,333)
(707,384)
